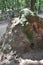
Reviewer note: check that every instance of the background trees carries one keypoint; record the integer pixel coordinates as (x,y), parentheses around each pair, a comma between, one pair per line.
(17,5)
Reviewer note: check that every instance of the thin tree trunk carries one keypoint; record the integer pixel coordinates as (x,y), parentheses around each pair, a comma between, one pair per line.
(39,5)
(33,5)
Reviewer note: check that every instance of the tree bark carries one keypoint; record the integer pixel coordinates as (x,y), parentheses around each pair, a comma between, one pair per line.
(32,4)
(39,6)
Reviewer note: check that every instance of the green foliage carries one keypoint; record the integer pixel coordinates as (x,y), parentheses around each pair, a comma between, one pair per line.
(17,5)
(27,3)
(38,5)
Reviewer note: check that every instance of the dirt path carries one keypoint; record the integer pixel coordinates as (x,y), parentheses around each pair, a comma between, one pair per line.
(31,58)
(34,55)
(40,15)
(3,27)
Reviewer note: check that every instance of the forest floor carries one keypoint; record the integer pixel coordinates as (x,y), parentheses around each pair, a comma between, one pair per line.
(31,58)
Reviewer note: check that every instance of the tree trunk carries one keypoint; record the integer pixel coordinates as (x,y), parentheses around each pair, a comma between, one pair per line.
(32,4)
(39,6)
